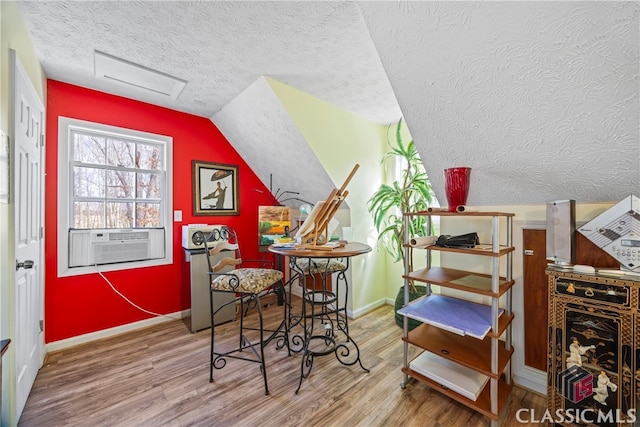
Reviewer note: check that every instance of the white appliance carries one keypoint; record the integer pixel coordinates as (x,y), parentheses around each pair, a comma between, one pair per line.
(617,232)
(199,279)
(190,240)
(110,246)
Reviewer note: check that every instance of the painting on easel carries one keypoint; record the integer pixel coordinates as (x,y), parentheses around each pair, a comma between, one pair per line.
(215,189)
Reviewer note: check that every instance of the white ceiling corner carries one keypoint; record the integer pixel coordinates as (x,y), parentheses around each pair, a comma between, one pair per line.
(267,139)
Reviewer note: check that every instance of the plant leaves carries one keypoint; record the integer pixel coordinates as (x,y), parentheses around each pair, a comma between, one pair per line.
(412,193)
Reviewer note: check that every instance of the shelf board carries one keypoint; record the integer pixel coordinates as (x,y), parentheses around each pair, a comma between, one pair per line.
(458,279)
(447,213)
(503,321)
(481,249)
(465,350)
(462,380)
(482,404)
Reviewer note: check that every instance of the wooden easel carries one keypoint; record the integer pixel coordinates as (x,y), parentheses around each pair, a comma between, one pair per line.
(315,230)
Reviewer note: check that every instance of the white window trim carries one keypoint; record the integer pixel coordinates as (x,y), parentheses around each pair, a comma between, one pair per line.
(64,182)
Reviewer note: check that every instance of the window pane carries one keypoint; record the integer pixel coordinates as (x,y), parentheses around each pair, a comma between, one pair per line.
(118,177)
(88,182)
(120,184)
(88,215)
(120,215)
(148,186)
(89,149)
(149,157)
(120,153)
(148,215)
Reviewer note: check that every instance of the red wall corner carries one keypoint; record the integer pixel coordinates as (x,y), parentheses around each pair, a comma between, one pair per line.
(84,304)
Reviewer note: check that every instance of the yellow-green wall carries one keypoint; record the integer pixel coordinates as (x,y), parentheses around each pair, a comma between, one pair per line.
(13,35)
(340,140)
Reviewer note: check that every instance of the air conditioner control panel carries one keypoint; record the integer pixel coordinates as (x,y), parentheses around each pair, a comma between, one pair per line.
(99,237)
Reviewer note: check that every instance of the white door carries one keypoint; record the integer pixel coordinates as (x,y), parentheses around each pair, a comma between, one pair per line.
(28,118)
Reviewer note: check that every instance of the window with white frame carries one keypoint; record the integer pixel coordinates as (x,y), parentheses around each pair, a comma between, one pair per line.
(112,182)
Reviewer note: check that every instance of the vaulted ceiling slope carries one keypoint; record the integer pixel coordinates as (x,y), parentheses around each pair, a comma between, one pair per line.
(539,98)
(266,137)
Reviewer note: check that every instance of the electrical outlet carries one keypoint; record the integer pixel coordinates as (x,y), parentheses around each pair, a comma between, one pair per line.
(177,216)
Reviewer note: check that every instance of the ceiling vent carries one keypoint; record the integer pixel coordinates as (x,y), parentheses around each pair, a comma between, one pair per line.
(119,70)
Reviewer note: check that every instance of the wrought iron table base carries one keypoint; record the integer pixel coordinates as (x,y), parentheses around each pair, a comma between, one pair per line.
(322,324)
(341,350)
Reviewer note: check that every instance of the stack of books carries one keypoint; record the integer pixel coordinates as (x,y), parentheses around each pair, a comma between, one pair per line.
(458,378)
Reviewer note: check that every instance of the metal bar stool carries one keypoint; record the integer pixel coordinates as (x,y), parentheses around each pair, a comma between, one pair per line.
(324,268)
(248,284)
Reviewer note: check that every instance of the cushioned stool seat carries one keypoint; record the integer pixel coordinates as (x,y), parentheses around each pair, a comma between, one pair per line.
(249,280)
(315,266)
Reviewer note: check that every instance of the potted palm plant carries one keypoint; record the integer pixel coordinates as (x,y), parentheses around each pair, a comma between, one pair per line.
(410,192)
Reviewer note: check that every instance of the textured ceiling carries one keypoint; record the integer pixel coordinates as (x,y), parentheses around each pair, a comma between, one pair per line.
(539,98)
(220,48)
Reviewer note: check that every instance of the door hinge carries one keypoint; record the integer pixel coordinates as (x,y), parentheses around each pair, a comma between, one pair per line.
(41,140)
(528,252)
(41,233)
(41,326)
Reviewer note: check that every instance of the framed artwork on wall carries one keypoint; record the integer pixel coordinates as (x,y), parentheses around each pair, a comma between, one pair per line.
(215,188)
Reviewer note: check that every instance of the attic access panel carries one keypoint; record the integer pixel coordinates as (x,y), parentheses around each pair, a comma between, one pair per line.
(617,232)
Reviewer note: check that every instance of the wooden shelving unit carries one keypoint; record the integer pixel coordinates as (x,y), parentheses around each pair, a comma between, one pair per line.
(490,356)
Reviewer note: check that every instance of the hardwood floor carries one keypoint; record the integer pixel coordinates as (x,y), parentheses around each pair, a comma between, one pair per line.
(159,376)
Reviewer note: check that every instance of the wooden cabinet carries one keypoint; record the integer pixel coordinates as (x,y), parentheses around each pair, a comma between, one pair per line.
(488,356)
(593,348)
(535,289)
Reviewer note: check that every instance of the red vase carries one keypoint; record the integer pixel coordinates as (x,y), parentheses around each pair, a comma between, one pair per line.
(456,186)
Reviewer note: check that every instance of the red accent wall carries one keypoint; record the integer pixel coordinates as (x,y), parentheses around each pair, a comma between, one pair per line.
(84,304)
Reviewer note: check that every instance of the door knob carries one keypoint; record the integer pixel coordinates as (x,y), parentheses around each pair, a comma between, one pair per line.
(27,264)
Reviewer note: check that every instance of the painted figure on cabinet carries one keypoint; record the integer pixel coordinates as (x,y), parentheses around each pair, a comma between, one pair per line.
(576,352)
(601,392)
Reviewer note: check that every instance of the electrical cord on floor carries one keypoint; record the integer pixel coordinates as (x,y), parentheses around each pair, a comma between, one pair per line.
(131,302)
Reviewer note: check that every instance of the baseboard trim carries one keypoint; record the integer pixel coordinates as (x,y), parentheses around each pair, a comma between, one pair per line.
(535,381)
(106,333)
(366,309)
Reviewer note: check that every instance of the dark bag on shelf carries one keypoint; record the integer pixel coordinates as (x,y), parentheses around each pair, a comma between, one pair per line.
(468,240)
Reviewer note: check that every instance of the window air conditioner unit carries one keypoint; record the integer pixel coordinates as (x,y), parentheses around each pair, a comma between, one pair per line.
(111,246)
